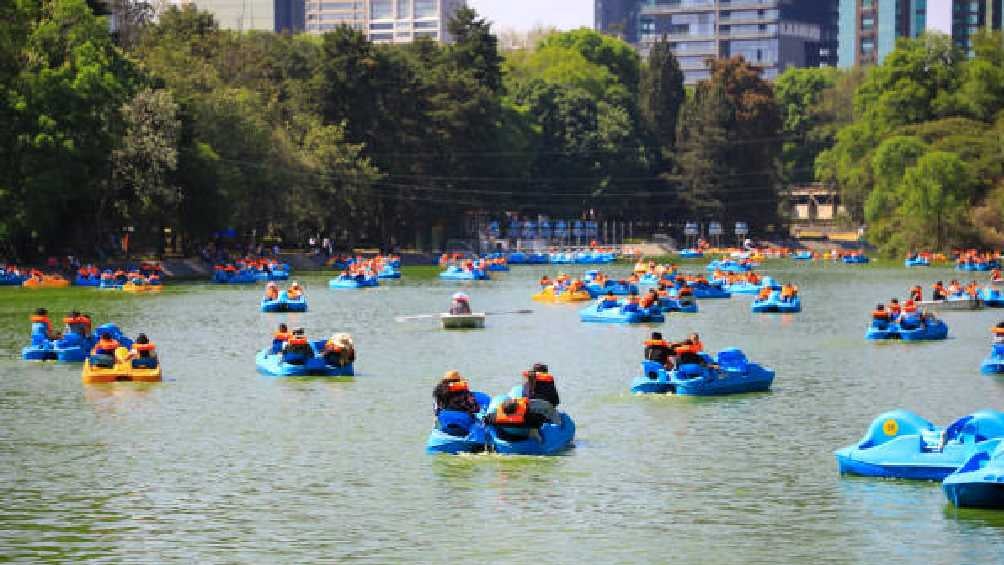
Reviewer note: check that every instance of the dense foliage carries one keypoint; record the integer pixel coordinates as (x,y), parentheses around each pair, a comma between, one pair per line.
(171,122)
(919,161)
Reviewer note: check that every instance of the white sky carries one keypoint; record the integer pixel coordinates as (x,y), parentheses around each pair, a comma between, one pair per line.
(523,15)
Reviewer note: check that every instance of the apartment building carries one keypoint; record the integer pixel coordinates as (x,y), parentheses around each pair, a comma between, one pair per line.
(384,21)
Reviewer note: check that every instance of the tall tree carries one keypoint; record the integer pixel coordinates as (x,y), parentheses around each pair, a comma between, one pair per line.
(662,95)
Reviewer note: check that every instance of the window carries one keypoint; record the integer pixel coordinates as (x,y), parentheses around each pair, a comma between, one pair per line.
(432,34)
(426,8)
(867,23)
(867,46)
(426,25)
(381,9)
(403,9)
(381,37)
(381,26)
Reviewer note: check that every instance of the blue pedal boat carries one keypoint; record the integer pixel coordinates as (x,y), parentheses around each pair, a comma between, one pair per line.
(353,281)
(979,483)
(775,305)
(993,364)
(734,374)
(621,314)
(900,444)
(910,329)
(277,364)
(455,273)
(284,304)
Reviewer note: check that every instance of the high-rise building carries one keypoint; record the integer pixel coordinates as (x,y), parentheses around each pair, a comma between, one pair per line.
(260,15)
(384,21)
(968,17)
(618,18)
(774,34)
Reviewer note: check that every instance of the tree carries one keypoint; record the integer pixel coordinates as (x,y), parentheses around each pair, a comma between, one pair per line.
(475,49)
(935,196)
(144,164)
(662,95)
(799,92)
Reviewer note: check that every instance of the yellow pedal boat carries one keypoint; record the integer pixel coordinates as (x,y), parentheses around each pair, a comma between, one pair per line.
(548,295)
(144,287)
(47,281)
(122,371)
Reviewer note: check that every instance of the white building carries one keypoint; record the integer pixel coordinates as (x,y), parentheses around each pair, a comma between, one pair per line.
(384,21)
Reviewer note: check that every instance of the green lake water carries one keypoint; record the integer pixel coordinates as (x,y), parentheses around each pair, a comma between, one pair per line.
(220,464)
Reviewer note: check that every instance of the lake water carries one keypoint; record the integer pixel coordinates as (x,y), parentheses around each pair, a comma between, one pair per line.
(219,464)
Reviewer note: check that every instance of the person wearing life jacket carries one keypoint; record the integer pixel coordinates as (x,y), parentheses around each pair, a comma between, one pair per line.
(339,350)
(996,276)
(453,392)
(633,302)
(696,343)
(40,324)
(881,316)
(650,299)
(609,301)
(788,292)
(917,294)
(763,293)
(271,291)
(954,288)
(998,333)
(279,338)
(460,304)
(515,420)
(297,350)
(938,291)
(143,353)
(103,354)
(658,350)
(687,354)
(545,281)
(295,291)
(909,320)
(538,383)
(153,279)
(894,309)
(78,324)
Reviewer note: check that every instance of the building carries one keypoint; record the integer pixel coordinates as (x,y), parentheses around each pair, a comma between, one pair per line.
(968,17)
(774,34)
(258,15)
(384,21)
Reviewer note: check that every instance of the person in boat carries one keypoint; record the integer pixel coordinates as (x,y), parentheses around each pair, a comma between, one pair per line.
(40,324)
(954,288)
(339,351)
(996,276)
(517,419)
(633,302)
(659,351)
(461,305)
(279,338)
(295,291)
(271,291)
(545,281)
(917,294)
(894,309)
(78,323)
(909,320)
(788,292)
(763,293)
(880,316)
(453,392)
(297,350)
(103,354)
(609,300)
(696,343)
(998,333)
(650,299)
(938,291)
(687,354)
(143,353)
(539,388)
(972,289)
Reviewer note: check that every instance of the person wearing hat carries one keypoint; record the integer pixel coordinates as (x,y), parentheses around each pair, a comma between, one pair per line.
(453,392)
(461,304)
(658,350)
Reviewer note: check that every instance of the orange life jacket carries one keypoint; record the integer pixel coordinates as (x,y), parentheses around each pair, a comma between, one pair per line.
(281,336)
(544,378)
(681,349)
(656,343)
(105,345)
(685,291)
(332,346)
(909,307)
(140,348)
(880,315)
(298,340)
(517,418)
(458,386)
(40,320)
(697,347)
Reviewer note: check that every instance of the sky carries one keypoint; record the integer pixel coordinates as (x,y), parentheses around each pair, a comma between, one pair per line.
(523,15)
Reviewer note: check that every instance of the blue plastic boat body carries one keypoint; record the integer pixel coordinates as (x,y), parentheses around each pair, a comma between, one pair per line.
(992,297)
(284,304)
(673,304)
(774,305)
(993,364)
(734,375)
(917,262)
(705,291)
(272,364)
(455,273)
(901,444)
(357,281)
(933,330)
(802,256)
(690,254)
(621,314)
(979,482)
(855,259)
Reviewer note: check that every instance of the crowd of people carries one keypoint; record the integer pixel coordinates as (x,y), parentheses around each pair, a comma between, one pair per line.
(295,348)
(684,352)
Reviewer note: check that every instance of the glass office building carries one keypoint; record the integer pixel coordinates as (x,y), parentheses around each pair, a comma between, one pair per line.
(260,15)
(384,21)
(774,34)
